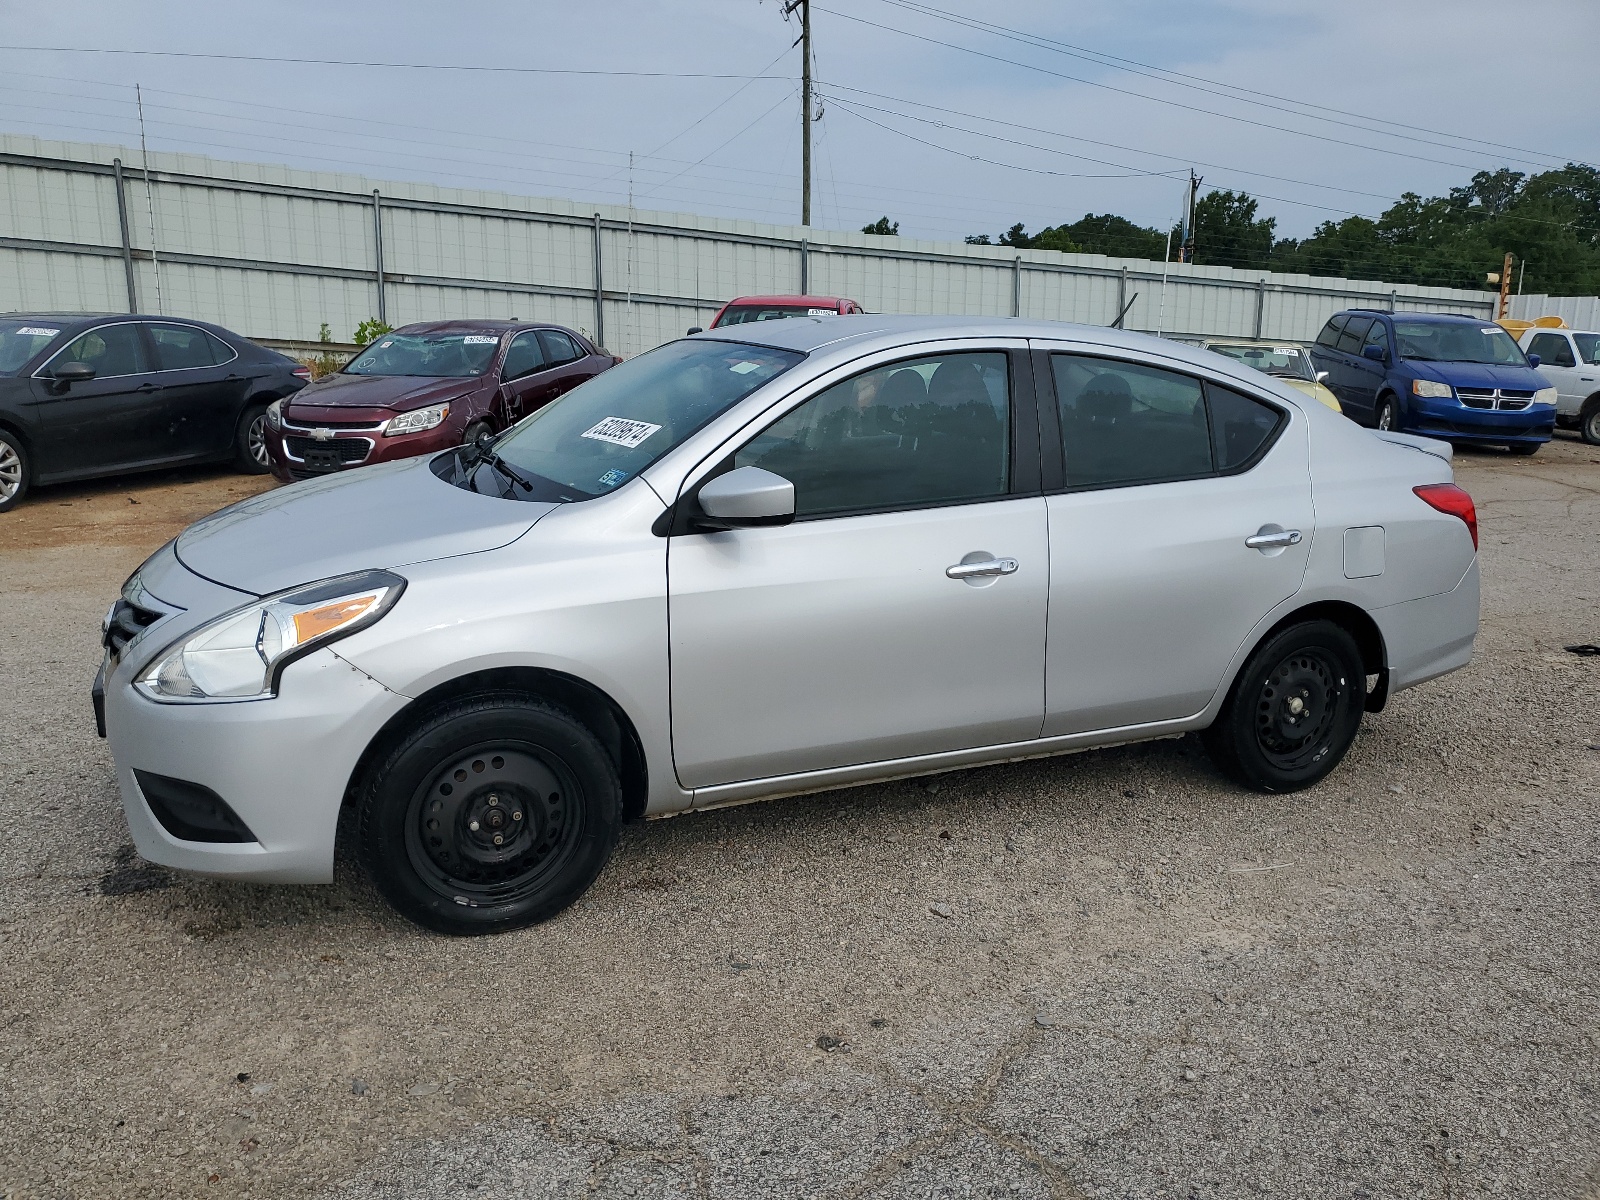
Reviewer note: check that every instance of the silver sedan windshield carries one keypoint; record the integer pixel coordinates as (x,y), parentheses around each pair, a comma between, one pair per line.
(600,435)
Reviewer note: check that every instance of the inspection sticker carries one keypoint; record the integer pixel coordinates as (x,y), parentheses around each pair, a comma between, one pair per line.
(478,339)
(36,331)
(612,477)
(620,431)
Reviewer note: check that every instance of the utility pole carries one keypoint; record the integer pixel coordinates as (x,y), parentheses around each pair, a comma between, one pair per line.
(1505,289)
(803,7)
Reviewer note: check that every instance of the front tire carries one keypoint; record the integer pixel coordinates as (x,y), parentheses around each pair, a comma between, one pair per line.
(1525,448)
(493,813)
(1385,417)
(250,441)
(1589,423)
(14,475)
(1293,711)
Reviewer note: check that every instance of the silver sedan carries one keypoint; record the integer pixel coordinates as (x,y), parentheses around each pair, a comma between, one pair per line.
(772,559)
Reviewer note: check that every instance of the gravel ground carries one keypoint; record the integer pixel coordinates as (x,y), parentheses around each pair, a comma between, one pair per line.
(1111,974)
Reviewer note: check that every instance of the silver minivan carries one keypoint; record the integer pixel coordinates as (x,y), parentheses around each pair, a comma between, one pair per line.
(772,559)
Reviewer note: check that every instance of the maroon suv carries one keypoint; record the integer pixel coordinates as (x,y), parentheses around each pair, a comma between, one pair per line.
(424,388)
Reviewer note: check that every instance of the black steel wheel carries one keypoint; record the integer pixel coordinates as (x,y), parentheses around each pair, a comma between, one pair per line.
(1293,711)
(250,442)
(490,814)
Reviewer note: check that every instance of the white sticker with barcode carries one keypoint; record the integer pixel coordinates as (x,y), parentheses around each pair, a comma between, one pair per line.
(620,431)
(36,331)
(478,339)
(1490,330)
(822,312)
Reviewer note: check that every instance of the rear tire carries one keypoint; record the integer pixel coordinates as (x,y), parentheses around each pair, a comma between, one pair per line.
(499,766)
(14,474)
(1293,711)
(1589,423)
(250,441)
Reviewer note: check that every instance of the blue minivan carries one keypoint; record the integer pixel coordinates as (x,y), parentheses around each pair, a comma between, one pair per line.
(1454,378)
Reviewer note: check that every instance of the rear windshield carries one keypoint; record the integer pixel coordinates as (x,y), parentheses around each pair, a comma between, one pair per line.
(604,432)
(743,313)
(433,355)
(1287,362)
(21,340)
(1456,341)
(1588,347)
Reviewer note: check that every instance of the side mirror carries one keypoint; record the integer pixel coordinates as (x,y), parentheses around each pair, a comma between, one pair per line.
(746,497)
(70,373)
(1533,360)
(1375,353)
(694,329)
(1322,377)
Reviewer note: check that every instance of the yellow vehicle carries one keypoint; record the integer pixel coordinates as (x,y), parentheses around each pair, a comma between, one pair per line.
(1284,360)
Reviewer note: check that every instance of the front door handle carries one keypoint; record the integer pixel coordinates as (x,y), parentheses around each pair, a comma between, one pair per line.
(1277,540)
(984,566)
(145,387)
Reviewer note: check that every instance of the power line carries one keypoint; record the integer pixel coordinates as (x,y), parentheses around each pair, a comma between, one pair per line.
(1210,86)
(1143,96)
(403,66)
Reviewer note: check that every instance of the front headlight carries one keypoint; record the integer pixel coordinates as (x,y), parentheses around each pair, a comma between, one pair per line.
(241,655)
(1545,396)
(1427,387)
(275,414)
(416,420)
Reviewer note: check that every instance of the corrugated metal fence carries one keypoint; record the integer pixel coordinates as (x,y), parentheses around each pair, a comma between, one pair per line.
(274,252)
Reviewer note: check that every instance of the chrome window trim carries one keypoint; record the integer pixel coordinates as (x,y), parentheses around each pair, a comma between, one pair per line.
(207,334)
(356,430)
(39,373)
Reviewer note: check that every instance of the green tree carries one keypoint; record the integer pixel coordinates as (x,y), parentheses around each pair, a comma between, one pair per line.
(370,330)
(883,228)
(1227,232)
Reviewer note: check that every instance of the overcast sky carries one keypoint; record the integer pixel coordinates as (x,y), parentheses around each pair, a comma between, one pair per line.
(1467,84)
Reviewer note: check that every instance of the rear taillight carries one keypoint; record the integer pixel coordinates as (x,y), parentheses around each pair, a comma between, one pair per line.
(301,372)
(1448,498)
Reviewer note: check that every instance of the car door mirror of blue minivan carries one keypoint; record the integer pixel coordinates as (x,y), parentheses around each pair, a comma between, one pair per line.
(1534,360)
(1375,353)
(746,497)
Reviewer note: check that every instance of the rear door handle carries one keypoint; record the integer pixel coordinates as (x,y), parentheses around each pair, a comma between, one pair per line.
(145,387)
(1273,541)
(984,566)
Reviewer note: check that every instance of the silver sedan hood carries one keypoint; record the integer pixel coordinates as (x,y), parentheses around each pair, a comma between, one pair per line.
(385,515)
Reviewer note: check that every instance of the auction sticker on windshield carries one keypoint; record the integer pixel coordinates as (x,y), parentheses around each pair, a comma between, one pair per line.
(477,339)
(621,432)
(36,331)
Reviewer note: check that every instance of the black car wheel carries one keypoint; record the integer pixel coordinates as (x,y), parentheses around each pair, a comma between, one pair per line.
(250,442)
(493,813)
(1293,711)
(1589,423)
(474,431)
(13,470)
(1525,448)
(1385,415)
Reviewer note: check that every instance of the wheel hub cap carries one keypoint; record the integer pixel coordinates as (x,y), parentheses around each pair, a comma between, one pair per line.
(490,822)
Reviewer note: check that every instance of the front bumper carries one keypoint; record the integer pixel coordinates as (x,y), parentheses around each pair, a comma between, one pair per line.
(1456,422)
(282,765)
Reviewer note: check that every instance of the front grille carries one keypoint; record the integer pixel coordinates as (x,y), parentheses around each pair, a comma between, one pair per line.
(126,622)
(347,450)
(1505,399)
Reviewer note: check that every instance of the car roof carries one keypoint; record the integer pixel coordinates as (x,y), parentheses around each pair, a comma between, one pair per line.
(874,331)
(1294,343)
(1425,317)
(810,301)
(468,326)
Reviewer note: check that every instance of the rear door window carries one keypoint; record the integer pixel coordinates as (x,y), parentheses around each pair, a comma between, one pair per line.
(1125,423)
(1355,331)
(1329,336)
(558,347)
(180,347)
